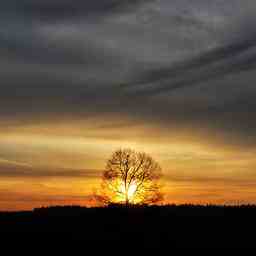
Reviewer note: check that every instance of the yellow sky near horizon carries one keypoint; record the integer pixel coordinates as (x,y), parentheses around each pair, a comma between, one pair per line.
(61,163)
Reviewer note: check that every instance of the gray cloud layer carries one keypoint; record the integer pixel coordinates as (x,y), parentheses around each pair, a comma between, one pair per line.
(191,62)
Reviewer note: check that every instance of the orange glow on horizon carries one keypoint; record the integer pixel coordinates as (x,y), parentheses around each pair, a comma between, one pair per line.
(40,167)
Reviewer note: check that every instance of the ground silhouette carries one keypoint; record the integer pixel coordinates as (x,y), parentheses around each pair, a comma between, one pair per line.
(136,227)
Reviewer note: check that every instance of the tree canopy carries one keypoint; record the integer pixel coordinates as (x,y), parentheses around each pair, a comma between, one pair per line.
(130,177)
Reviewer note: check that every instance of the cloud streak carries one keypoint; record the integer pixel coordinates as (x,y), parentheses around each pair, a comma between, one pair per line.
(211,65)
(14,169)
(56,10)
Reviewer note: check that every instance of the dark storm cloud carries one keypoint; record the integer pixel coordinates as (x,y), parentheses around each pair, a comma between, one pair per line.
(32,48)
(195,59)
(62,9)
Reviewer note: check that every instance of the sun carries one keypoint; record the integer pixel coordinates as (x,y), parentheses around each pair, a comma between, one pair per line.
(130,191)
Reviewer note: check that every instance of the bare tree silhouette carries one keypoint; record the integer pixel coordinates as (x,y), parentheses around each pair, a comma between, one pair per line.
(130,177)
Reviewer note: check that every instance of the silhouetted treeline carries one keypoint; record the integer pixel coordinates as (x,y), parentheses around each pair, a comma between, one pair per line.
(172,227)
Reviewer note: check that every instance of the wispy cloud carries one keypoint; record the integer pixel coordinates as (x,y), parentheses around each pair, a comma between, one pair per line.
(9,168)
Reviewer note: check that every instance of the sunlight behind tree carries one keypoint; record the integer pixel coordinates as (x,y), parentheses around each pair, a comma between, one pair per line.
(130,177)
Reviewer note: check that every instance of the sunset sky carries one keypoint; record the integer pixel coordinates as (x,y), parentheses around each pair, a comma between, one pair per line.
(82,78)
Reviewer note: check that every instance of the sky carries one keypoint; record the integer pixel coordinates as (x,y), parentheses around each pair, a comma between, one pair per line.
(80,79)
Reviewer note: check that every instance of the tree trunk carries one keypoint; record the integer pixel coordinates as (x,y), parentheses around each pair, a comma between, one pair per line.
(126,199)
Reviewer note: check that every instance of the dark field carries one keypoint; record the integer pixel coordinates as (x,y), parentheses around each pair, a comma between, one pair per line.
(130,229)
